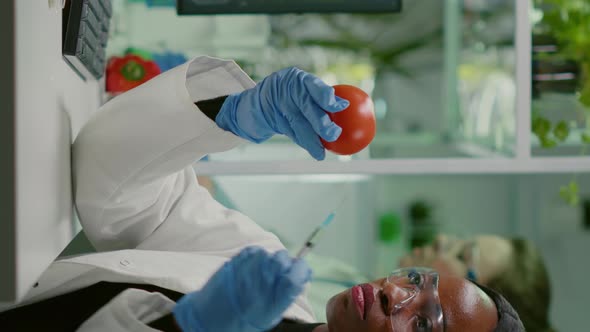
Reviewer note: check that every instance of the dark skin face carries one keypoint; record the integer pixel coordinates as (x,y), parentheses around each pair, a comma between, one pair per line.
(464,305)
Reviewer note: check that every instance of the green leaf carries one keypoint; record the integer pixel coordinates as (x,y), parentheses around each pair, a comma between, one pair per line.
(561,131)
(584,95)
(570,194)
(541,126)
(573,187)
(564,193)
(586,137)
(547,142)
(573,200)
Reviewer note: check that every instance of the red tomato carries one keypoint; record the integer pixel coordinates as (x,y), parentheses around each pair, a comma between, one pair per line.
(357,121)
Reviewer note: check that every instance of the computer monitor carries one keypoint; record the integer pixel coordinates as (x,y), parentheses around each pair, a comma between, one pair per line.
(209,7)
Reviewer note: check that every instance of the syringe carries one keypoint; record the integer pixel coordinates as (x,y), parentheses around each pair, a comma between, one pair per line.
(311,240)
(313,237)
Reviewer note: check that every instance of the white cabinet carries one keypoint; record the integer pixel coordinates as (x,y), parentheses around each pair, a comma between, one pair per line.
(50,104)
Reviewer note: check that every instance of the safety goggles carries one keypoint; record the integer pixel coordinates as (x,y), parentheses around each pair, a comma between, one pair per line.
(417,307)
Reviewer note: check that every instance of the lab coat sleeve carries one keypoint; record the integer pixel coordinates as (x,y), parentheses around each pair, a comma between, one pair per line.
(129,311)
(131,161)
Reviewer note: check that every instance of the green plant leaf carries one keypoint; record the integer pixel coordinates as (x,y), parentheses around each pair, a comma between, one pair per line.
(541,126)
(586,137)
(547,142)
(570,193)
(584,95)
(564,192)
(573,187)
(573,200)
(561,131)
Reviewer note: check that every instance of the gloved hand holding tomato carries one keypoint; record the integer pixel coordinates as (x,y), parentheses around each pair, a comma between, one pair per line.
(299,105)
(357,121)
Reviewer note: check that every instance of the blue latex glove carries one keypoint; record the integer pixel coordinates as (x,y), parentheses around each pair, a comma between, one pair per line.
(249,293)
(289,102)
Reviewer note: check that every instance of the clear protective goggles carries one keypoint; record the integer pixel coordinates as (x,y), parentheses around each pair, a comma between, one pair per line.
(417,306)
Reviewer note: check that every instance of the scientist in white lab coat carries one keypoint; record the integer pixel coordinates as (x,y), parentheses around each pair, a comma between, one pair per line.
(153,225)
(171,258)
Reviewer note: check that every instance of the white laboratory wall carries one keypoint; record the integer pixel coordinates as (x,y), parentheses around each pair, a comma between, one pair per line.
(292,206)
(565,244)
(461,205)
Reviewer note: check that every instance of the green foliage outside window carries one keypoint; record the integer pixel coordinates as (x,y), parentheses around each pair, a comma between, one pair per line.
(568,21)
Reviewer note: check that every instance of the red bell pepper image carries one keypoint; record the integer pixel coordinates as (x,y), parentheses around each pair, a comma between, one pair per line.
(126,72)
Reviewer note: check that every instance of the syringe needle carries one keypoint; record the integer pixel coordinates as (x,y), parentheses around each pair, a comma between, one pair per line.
(312,238)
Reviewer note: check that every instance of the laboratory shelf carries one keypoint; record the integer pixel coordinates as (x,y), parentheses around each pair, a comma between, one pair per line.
(536,165)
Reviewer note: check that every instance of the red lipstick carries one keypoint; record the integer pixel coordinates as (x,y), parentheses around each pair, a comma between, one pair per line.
(369,297)
(358,299)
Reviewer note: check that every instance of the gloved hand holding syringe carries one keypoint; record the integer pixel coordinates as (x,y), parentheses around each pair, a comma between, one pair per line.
(257,300)
(314,236)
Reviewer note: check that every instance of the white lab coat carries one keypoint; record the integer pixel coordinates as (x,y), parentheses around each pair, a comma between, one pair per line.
(141,206)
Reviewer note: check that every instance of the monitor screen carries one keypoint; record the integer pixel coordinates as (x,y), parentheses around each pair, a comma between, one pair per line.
(211,7)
